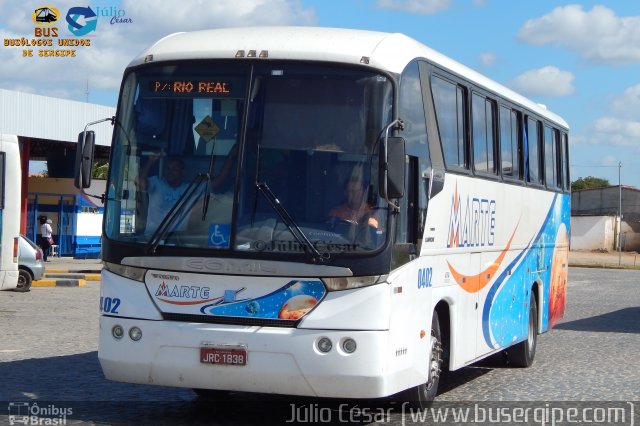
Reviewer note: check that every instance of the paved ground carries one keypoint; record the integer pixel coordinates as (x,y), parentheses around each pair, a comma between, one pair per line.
(48,344)
(69,263)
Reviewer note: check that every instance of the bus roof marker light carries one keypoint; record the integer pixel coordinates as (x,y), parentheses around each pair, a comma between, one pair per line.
(263,54)
(240,54)
(148,58)
(251,54)
(364,60)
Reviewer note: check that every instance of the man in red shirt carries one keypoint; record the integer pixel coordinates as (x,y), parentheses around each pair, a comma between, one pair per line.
(355,207)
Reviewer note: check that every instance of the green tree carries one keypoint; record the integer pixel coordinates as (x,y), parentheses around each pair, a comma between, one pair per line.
(99,170)
(589,182)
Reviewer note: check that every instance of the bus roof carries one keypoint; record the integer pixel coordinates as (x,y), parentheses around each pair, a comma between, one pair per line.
(385,51)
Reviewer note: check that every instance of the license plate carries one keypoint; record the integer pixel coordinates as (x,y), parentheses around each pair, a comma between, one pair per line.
(225,355)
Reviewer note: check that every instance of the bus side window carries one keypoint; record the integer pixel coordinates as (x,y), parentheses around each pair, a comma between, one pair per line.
(532,154)
(509,143)
(565,162)
(550,160)
(557,145)
(483,120)
(449,100)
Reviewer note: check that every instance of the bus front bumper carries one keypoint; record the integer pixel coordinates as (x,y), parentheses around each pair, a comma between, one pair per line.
(279,360)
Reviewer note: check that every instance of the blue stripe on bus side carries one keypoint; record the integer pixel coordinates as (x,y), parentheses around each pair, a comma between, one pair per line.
(505,338)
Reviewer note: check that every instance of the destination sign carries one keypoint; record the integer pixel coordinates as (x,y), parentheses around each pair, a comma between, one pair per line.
(195,87)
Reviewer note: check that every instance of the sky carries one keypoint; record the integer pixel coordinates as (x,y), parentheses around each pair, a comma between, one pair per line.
(580,59)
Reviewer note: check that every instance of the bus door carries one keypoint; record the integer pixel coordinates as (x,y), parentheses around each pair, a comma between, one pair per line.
(464,266)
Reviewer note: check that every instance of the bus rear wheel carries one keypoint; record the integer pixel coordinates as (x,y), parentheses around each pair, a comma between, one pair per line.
(422,396)
(523,353)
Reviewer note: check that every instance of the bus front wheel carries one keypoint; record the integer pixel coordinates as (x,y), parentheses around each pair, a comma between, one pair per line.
(421,396)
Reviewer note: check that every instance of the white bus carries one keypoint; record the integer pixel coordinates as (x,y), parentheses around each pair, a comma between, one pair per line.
(325,212)
(10,187)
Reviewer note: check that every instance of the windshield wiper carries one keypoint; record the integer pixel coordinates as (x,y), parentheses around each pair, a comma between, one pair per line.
(175,211)
(312,253)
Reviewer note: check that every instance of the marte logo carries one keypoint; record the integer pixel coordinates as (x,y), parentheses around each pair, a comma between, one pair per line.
(183,291)
(472,222)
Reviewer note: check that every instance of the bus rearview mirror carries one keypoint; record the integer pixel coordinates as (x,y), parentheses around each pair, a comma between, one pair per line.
(84,159)
(392,165)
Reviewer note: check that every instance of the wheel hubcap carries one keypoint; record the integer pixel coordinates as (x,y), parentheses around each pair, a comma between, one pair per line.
(436,361)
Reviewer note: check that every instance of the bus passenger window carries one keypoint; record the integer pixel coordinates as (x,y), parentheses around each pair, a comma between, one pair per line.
(533,151)
(565,162)
(550,165)
(449,104)
(509,143)
(483,135)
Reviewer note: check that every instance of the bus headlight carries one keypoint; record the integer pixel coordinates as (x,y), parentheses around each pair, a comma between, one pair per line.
(324,345)
(117,332)
(130,272)
(349,345)
(135,333)
(346,283)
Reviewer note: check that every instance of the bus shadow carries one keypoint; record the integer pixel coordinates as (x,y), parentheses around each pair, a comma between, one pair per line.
(75,386)
(453,379)
(76,383)
(620,321)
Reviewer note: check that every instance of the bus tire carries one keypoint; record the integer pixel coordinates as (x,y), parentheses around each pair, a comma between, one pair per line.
(523,353)
(422,396)
(24,281)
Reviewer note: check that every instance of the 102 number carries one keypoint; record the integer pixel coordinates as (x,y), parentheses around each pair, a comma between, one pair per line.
(109,305)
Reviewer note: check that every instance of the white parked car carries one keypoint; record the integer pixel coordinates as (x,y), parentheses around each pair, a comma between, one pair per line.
(30,264)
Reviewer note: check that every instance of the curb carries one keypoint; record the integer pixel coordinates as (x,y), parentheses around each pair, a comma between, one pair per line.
(603,266)
(59,283)
(72,271)
(87,277)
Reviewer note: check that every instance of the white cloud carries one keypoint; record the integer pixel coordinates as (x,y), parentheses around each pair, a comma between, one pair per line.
(621,125)
(487,59)
(597,35)
(113,46)
(546,81)
(423,7)
(614,131)
(627,105)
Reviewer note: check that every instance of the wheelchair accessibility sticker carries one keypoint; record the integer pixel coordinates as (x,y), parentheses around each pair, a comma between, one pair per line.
(219,234)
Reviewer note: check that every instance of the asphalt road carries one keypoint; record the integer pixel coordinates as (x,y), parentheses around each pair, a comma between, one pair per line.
(48,360)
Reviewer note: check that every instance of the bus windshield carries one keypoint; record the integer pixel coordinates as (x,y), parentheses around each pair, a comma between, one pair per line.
(280,157)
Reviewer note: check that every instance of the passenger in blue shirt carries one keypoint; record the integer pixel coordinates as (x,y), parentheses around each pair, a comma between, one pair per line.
(163,191)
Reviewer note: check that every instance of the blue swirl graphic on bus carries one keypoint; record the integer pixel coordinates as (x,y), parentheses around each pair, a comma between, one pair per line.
(499,327)
(290,302)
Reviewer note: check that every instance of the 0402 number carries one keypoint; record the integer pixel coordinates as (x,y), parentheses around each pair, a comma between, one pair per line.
(109,305)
